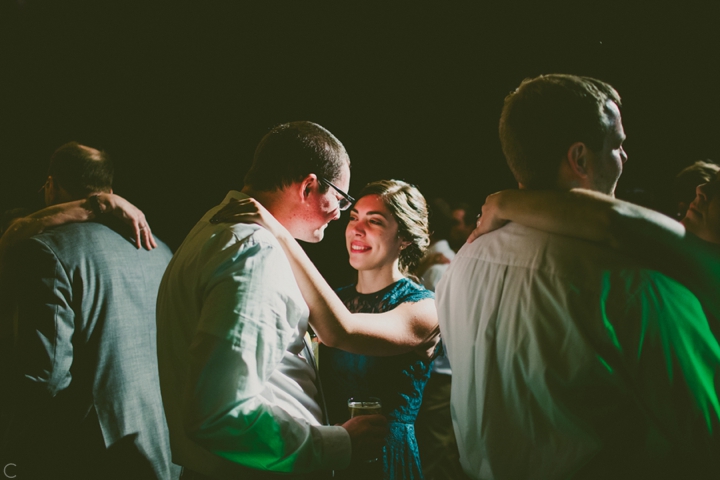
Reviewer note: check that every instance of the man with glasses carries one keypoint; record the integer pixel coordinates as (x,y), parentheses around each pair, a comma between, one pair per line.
(345,200)
(238,380)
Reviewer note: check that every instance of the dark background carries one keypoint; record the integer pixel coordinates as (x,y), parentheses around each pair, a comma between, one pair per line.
(179,93)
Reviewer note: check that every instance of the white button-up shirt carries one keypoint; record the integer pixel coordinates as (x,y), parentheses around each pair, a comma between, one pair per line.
(569,359)
(236,386)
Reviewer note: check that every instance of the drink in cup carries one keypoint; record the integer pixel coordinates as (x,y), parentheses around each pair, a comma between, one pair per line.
(364,406)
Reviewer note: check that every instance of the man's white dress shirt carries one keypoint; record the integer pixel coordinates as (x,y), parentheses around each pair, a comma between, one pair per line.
(570,360)
(236,387)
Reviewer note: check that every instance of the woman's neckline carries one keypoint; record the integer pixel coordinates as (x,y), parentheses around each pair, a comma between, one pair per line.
(382,290)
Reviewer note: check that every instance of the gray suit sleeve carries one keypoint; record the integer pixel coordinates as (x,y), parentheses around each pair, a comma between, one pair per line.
(42,357)
(46,320)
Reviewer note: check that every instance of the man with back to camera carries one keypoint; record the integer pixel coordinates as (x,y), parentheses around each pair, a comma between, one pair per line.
(85,394)
(570,359)
(238,380)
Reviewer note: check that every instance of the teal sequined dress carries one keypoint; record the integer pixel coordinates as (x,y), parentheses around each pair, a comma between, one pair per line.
(397,380)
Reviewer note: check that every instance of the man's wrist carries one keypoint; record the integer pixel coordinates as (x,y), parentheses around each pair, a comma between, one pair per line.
(94,205)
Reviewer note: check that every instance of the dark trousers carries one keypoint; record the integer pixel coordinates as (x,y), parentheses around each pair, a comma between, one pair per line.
(435,435)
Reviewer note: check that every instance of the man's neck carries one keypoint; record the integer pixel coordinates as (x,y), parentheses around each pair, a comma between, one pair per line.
(278,203)
(567,181)
(271,200)
(62,198)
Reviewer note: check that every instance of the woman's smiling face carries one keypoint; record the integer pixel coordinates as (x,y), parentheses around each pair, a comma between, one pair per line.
(371,235)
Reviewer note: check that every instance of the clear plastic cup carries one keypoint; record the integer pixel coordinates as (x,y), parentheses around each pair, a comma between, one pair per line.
(364,406)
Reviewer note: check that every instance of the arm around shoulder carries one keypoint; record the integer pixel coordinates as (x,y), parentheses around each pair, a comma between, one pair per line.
(411,326)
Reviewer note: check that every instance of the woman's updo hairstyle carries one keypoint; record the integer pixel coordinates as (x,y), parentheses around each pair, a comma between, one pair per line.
(409,209)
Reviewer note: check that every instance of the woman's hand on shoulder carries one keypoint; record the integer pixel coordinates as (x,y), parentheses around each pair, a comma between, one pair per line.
(131,215)
(248,210)
(489,219)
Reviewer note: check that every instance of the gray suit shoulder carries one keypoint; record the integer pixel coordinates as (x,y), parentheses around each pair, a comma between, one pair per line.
(92,238)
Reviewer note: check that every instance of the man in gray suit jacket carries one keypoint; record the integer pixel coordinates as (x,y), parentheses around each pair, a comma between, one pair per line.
(86,392)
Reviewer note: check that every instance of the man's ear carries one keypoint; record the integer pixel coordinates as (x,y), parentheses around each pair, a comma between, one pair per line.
(577,159)
(50,189)
(307,185)
(56,193)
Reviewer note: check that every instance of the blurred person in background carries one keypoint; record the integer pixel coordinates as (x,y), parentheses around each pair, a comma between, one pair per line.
(685,184)
(436,438)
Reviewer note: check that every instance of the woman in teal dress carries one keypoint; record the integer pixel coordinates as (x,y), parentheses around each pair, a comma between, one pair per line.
(377,336)
(397,380)
(379,218)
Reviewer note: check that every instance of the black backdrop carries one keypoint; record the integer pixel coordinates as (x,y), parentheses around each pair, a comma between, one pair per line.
(179,93)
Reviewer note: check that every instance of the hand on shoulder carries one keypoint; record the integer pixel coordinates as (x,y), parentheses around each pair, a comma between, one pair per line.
(489,219)
(248,210)
(129,214)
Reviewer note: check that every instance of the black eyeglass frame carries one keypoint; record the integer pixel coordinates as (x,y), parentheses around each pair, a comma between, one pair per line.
(346,201)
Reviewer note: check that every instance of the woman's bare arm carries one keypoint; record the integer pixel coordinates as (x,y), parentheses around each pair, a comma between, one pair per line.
(638,231)
(408,327)
(578,213)
(77,211)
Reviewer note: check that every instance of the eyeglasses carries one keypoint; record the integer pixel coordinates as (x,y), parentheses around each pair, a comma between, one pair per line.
(346,201)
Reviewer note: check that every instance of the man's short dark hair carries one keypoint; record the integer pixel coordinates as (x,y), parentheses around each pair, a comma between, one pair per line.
(290,152)
(81,170)
(545,116)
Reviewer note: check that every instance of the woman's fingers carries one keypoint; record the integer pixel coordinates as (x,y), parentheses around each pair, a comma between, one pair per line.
(148,239)
(138,232)
(153,243)
(478,230)
(134,217)
(243,210)
(143,234)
